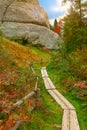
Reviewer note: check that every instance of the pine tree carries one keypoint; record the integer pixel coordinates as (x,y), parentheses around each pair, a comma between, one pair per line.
(75,27)
(55,22)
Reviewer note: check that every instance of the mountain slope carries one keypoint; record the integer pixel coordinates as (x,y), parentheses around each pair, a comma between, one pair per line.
(15,81)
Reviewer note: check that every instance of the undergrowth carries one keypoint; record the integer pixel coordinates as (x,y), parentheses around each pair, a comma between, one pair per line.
(16,81)
(69,73)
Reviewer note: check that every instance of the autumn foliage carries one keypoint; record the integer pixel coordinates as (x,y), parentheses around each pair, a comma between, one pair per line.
(15,83)
(58,27)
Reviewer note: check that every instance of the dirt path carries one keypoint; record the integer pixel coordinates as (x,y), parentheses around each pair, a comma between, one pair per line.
(69,119)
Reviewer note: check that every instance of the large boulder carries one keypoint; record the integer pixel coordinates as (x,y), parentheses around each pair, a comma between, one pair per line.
(30,1)
(4,4)
(25,19)
(23,11)
(26,13)
(35,34)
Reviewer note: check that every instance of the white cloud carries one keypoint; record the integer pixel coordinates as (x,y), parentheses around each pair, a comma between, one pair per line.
(60,7)
(52,20)
(56,9)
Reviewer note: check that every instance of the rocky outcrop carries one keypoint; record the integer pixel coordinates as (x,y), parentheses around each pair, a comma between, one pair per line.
(32,33)
(23,11)
(26,19)
(4,4)
(26,13)
(30,1)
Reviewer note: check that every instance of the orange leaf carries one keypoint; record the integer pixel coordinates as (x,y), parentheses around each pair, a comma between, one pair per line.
(26,118)
(1,81)
(5,111)
(10,123)
(2,127)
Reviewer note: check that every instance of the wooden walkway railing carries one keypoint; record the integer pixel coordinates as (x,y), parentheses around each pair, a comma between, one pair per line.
(35,92)
(69,120)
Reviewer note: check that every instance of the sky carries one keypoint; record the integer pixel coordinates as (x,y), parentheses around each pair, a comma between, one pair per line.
(54,8)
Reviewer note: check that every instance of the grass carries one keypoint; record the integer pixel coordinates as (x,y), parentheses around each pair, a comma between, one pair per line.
(21,54)
(15,83)
(14,71)
(48,116)
(57,75)
(44,54)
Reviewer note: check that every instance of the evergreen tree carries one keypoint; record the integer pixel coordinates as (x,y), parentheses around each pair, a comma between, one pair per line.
(55,22)
(75,27)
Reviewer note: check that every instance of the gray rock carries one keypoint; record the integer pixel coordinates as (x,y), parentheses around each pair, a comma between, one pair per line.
(35,34)
(4,4)
(30,1)
(33,38)
(24,12)
(25,19)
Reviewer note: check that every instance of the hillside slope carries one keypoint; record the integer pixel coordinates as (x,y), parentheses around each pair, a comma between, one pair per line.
(15,81)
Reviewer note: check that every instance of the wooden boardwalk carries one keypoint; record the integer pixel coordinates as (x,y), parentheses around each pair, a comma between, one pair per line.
(69,120)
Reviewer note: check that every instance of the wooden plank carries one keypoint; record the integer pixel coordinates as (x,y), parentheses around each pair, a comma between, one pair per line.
(44,72)
(69,121)
(43,68)
(23,99)
(57,99)
(47,85)
(45,75)
(70,106)
(51,84)
(74,125)
(65,120)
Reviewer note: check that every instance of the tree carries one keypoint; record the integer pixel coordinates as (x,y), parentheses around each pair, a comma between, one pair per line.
(75,27)
(58,27)
(55,22)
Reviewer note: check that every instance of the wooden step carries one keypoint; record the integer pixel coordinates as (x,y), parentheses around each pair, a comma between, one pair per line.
(51,83)
(57,99)
(66,120)
(64,100)
(48,84)
(69,120)
(44,73)
(74,125)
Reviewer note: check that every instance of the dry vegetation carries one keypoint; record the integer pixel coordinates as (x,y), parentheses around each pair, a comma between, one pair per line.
(15,82)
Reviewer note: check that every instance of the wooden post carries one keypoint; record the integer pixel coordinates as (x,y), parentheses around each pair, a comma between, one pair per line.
(37,82)
(37,97)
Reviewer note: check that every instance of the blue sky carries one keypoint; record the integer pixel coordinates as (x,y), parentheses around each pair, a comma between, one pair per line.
(54,8)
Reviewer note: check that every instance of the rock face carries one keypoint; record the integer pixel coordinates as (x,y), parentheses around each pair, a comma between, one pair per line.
(23,11)
(31,32)
(4,4)
(25,19)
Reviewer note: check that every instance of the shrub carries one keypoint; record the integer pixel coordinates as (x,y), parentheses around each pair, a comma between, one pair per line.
(78,60)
